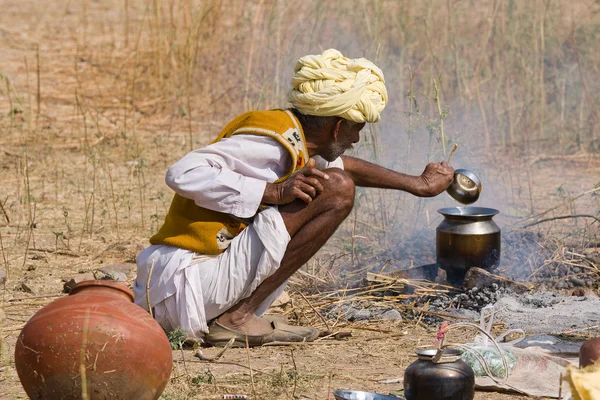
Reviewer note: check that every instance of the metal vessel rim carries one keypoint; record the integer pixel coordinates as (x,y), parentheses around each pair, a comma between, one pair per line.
(468,211)
(433,352)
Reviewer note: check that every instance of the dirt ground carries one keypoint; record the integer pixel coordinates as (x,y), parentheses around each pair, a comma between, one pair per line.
(79,192)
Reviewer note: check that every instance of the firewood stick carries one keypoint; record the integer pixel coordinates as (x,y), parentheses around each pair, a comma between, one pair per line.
(452,152)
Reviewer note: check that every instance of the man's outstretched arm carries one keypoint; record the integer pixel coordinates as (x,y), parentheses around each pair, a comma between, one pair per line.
(434,180)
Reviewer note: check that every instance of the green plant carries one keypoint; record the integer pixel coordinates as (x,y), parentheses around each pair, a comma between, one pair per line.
(206,377)
(177,338)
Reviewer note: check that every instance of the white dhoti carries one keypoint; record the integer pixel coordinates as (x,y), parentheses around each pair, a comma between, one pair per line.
(187,290)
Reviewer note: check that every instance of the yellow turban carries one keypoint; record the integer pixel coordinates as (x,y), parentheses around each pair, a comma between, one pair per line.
(330,84)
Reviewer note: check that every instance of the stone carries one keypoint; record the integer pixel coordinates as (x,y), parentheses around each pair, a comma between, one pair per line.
(428,272)
(108,274)
(350,313)
(477,278)
(23,287)
(391,315)
(283,300)
(114,272)
(358,315)
(125,269)
(71,282)
(583,292)
(2,277)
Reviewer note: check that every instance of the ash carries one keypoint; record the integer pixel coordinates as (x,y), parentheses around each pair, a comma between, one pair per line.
(548,312)
(467,304)
(476,299)
(536,313)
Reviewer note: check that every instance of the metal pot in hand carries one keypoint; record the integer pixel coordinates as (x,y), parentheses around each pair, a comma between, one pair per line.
(467,237)
(465,187)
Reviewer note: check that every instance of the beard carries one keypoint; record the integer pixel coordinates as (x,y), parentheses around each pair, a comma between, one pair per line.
(335,150)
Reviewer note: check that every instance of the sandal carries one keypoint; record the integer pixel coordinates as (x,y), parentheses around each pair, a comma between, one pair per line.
(219,335)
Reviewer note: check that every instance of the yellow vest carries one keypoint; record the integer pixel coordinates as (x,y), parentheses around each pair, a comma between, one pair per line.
(205,231)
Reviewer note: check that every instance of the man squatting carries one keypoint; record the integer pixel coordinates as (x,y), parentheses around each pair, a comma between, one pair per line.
(255,205)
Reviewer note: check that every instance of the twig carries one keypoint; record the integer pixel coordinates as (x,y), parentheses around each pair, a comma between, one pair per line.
(317,312)
(148,288)
(452,152)
(35,297)
(39,90)
(558,206)
(29,303)
(314,343)
(255,24)
(579,329)
(229,363)
(4,257)
(394,335)
(295,374)
(202,357)
(250,367)
(12,328)
(560,381)
(562,217)
(57,252)
(437,314)
(339,335)
(441,115)
(4,211)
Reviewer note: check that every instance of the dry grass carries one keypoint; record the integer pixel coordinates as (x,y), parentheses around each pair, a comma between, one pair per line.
(97,99)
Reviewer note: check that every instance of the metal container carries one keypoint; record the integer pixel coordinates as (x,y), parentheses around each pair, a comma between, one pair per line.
(465,187)
(357,395)
(467,237)
(446,378)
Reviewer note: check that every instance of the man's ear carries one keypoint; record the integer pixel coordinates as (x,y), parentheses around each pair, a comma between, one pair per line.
(337,129)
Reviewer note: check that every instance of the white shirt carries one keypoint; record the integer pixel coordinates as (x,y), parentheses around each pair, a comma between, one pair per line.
(230,176)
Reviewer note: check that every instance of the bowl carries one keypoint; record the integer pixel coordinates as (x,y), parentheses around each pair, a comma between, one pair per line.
(357,395)
(465,187)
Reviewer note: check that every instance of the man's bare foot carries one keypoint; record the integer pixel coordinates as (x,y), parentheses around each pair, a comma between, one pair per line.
(248,324)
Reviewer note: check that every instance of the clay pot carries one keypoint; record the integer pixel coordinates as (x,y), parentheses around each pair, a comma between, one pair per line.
(96,336)
(589,353)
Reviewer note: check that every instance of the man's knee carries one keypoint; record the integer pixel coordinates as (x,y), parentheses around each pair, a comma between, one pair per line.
(341,187)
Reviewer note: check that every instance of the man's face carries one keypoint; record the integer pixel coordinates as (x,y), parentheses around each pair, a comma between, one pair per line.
(347,135)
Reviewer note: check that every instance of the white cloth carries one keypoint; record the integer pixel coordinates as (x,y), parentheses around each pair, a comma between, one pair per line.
(187,289)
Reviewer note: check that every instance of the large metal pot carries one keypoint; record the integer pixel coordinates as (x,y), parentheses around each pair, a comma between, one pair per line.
(467,237)
(446,378)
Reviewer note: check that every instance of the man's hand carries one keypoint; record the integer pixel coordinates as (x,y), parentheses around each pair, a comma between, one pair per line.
(302,185)
(436,178)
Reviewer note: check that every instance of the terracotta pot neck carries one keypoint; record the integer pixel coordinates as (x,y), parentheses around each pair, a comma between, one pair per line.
(106,286)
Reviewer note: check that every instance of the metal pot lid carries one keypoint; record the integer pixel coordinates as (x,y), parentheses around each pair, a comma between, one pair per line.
(476,212)
(465,187)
